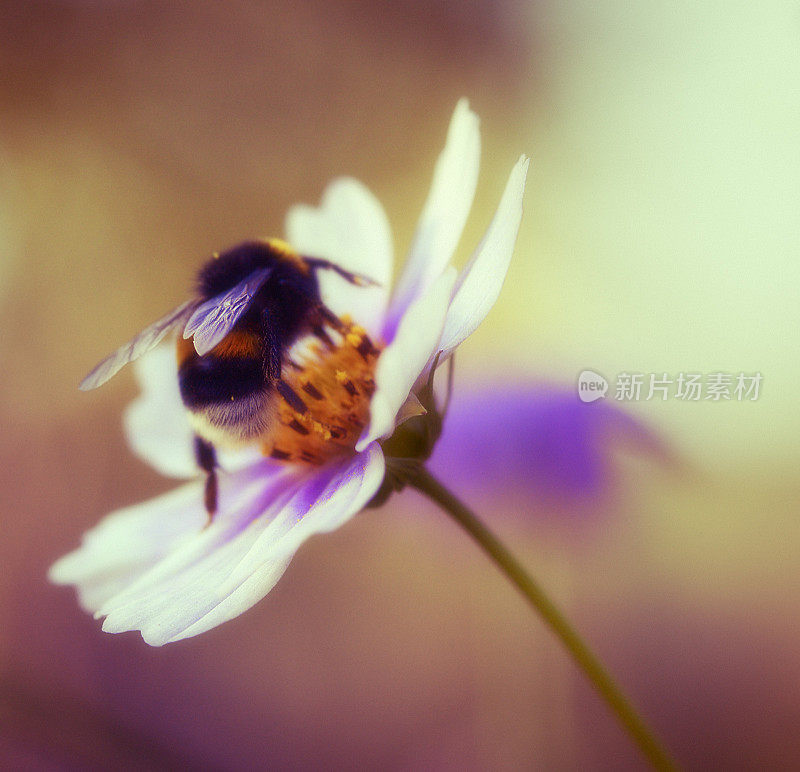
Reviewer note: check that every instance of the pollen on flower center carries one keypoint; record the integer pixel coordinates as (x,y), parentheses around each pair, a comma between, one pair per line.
(326,405)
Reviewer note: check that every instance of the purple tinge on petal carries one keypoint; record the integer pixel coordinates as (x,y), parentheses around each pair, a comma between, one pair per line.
(125,545)
(540,442)
(216,573)
(406,357)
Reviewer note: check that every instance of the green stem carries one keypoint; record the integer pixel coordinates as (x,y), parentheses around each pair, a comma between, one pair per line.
(419,477)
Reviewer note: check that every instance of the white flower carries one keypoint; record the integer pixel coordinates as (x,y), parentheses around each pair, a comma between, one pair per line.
(154,567)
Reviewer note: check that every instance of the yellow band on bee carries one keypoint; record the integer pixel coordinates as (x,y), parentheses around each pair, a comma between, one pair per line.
(285,250)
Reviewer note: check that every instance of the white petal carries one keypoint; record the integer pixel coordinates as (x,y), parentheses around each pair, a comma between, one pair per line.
(127,543)
(480,283)
(156,424)
(350,229)
(243,497)
(346,494)
(444,214)
(406,357)
(226,568)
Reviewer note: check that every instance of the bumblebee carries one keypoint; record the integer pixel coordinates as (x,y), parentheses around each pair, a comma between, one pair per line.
(262,359)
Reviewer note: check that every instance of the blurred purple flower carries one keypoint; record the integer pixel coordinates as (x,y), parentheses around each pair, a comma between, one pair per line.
(153,567)
(538,441)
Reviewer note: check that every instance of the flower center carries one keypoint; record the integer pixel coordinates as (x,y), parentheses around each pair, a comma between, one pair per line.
(326,386)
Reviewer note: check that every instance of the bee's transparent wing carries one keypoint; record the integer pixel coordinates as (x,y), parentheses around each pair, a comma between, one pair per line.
(215,318)
(147,339)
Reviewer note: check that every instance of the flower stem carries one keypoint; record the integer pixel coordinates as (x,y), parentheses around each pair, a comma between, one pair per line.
(587,661)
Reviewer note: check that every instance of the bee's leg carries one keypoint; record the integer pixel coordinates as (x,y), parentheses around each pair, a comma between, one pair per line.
(354,278)
(207,460)
(326,316)
(319,331)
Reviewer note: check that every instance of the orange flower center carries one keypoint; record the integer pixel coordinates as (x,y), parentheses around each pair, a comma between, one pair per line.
(330,384)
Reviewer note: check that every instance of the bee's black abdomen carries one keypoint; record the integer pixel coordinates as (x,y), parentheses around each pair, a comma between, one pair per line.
(208,380)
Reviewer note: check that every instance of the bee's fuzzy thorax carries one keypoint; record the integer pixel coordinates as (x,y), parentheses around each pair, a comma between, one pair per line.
(226,269)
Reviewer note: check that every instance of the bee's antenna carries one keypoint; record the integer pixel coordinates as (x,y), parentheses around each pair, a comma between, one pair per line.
(354,278)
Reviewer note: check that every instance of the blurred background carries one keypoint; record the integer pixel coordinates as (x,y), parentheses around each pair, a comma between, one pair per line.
(660,236)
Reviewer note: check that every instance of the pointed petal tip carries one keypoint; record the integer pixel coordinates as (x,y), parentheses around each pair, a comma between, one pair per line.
(483,276)
(68,569)
(464,129)
(110,623)
(519,173)
(156,640)
(463,112)
(56,574)
(113,627)
(345,184)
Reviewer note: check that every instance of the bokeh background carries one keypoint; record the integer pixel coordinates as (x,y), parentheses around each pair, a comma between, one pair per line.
(660,235)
